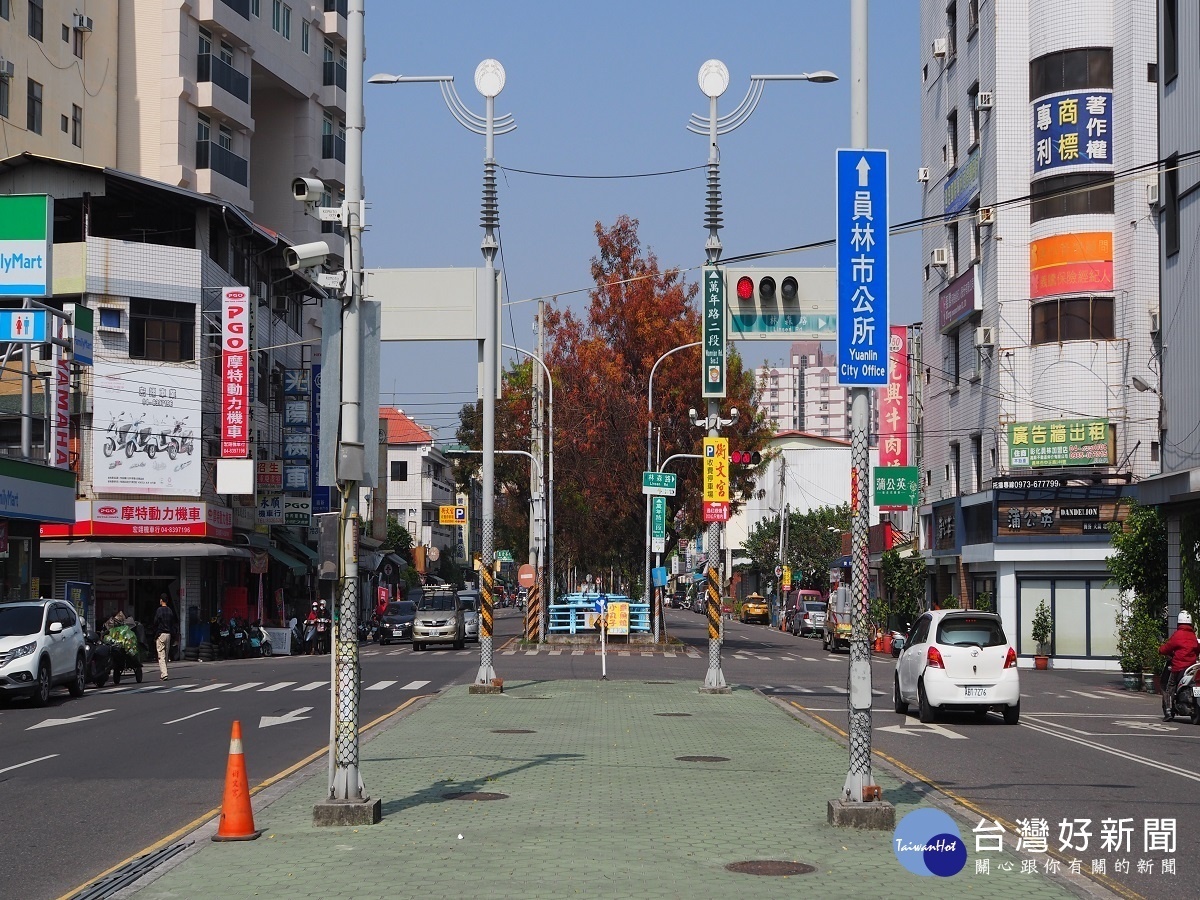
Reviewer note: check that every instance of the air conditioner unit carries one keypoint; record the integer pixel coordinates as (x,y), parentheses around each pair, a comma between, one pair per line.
(985,336)
(279,304)
(1151,189)
(939,257)
(922,175)
(940,46)
(983,100)
(7,69)
(1155,322)
(987,215)
(81,22)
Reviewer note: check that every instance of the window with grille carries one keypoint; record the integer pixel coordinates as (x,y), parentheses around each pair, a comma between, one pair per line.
(161,330)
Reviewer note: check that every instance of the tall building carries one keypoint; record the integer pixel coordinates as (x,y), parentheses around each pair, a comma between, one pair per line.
(1039,132)
(58,80)
(803,394)
(1171,375)
(235,98)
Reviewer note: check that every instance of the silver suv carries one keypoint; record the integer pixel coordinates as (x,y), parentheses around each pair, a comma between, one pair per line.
(440,619)
(41,646)
(470,600)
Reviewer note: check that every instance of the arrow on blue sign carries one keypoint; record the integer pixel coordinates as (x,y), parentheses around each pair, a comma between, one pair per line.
(862,267)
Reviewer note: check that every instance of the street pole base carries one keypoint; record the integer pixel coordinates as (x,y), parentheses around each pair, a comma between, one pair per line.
(496,687)
(348,812)
(714,683)
(874,815)
(485,677)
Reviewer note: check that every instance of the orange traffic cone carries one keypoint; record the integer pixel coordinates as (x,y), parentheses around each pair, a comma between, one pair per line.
(237,818)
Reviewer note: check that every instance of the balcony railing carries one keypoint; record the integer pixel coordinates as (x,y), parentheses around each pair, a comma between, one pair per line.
(333,147)
(210,155)
(341,7)
(335,74)
(223,75)
(241,7)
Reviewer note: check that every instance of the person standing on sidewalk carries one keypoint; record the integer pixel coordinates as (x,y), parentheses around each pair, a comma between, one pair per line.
(164,625)
(1183,649)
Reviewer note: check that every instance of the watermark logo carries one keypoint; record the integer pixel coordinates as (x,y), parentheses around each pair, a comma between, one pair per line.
(927,842)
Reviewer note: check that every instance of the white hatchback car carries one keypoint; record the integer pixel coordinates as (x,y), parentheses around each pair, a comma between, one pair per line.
(958,658)
(41,646)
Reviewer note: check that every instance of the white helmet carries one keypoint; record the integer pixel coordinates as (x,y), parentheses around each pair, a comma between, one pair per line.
(1185,617)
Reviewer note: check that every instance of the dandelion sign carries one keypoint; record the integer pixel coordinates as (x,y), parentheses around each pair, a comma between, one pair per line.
(896,485)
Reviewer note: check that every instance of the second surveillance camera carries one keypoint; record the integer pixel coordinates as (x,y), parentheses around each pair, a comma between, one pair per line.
(307,190)
(305,256)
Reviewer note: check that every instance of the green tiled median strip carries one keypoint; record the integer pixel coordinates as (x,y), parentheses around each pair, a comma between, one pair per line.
(597,806)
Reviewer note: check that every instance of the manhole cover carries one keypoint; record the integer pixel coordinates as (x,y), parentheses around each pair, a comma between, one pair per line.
(769,867)
(513,731)
(475,795)
(674,715)
(702,758)
(658,682)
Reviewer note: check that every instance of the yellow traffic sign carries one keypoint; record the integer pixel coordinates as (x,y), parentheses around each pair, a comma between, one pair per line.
(452,515)
(716,470)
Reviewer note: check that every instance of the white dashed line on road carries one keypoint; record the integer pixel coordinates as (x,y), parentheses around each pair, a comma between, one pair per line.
(248,685)
(192,716)
(414,685)
(380,686)
(206,688)
(276,687)
(312,685)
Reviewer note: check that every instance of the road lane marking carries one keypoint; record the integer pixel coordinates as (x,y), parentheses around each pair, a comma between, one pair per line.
(245,687)
(285,719)
(670,653)
(767,658)
(809,658)
(192,716)
(834,687)
(276,687)
(556,653)
(1089,696)
(1123,754)
(577,653)
(312,685)
(414,685)
(50,723)
(800,690)
(508,652)
(380,685)
(531,653)
(28,762)
(208,687)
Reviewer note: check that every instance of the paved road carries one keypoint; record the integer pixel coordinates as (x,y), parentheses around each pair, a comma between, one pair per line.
(95,780)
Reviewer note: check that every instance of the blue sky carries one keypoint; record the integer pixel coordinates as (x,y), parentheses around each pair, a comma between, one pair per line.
(607,89)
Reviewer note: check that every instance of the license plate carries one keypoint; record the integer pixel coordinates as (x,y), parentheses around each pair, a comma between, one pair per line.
(976,692)
(1196,691)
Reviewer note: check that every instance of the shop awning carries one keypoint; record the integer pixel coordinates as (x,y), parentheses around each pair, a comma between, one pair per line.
(303,549)
(137,549)
(294,565)
(370,560)
(396,560)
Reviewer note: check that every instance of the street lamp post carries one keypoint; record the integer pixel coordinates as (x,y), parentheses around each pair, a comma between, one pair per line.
(657,613)
(489,81)
(714,79)
(549,494)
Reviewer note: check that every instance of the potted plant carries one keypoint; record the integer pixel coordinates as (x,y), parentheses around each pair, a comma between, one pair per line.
(1149,640)
(1043,626)
(1129,651)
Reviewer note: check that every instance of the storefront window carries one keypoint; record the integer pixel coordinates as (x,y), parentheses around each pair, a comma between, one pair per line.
(16,571)
(1084,612)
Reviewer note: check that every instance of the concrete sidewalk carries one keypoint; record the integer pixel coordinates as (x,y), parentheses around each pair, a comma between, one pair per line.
(593,801)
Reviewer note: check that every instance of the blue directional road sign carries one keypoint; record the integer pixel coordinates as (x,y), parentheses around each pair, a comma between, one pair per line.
(862,267)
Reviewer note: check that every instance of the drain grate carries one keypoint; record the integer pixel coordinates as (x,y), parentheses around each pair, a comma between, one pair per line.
(658,682)
(769,867)
(531,698)
(674,715)
(702,758)
(128,874)
(513,731)
(475,795)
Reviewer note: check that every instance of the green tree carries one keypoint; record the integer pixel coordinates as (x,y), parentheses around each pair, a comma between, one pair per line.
(398,540)
(1138,563)
(904,580)
(814,542)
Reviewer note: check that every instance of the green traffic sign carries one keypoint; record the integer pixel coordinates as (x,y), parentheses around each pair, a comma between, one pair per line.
(659,483)
(658,517)
(896,486)
(503,556)
(712,349)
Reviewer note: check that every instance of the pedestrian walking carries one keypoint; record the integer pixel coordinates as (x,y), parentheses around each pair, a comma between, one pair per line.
(164,626)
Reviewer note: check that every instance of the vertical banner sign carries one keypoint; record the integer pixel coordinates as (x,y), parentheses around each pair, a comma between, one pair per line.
(716,469)
(893,404)
(235,372)
(62,408)
(862,267)
(82,335)
(712,351)
(658,524)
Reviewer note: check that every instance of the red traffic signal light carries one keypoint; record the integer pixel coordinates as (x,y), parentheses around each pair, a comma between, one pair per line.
(745,288)
(745,457)
(766,286)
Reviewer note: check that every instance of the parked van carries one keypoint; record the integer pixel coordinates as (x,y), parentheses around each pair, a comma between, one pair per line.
(835,632)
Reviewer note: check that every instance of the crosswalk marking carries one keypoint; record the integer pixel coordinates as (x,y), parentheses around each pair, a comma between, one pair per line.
(206,688)
(394,652)
(768,687)
(311,686)
(508,652)
(531,653)
(622,653)
(800,690)
(174,690)
(670,653)
(577,653)
(246,687)
(556,653)
(414,685)
(1089,696)
(646,653)
(809,658)
(767,658)
(277,687)
(380,685)
(834,687)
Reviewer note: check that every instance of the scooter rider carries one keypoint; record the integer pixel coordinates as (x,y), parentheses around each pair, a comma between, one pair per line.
(1184,649)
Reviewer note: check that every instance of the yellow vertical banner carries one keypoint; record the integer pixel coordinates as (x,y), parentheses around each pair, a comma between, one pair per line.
(716,470)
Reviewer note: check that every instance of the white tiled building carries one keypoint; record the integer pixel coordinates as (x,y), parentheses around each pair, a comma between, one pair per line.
(803,394)
(1040,284)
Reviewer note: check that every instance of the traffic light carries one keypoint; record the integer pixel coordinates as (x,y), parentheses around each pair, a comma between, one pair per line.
(781,304)
(767,287)
(745,457)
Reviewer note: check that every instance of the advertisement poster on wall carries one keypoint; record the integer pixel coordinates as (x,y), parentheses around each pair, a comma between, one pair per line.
(144,429)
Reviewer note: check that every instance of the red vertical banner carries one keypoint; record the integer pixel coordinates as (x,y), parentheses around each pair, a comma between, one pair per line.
(893,405)
(62,405)
(235,372)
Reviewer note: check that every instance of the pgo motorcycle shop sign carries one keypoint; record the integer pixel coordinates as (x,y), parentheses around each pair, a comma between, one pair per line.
(145,425)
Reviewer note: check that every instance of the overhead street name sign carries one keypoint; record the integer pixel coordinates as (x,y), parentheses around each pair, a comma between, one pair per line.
(658,484)
(862,267)
(712,350)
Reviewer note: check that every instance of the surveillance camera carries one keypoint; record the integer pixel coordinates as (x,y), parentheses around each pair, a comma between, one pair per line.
(306,256)
(307,190)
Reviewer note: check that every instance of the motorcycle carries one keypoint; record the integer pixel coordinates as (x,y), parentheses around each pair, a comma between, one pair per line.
(299,644)
(260,641)
(177,440)
(141,440)
(124,651)
(239,639)
(97,661)
(1184,701)
(118,434)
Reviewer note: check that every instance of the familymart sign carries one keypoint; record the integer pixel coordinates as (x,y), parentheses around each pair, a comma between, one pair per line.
(25,245)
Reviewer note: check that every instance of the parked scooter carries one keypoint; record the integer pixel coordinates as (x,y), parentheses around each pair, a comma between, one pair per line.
(299,645)
(118,433)
(260,641)
(1184,702)
(97,660)
(141,440)
(239,639)
(177,440)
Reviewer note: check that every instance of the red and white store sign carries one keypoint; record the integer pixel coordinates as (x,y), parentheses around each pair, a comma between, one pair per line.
(235,372)
(893,404)
(135,518)
(61,423)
